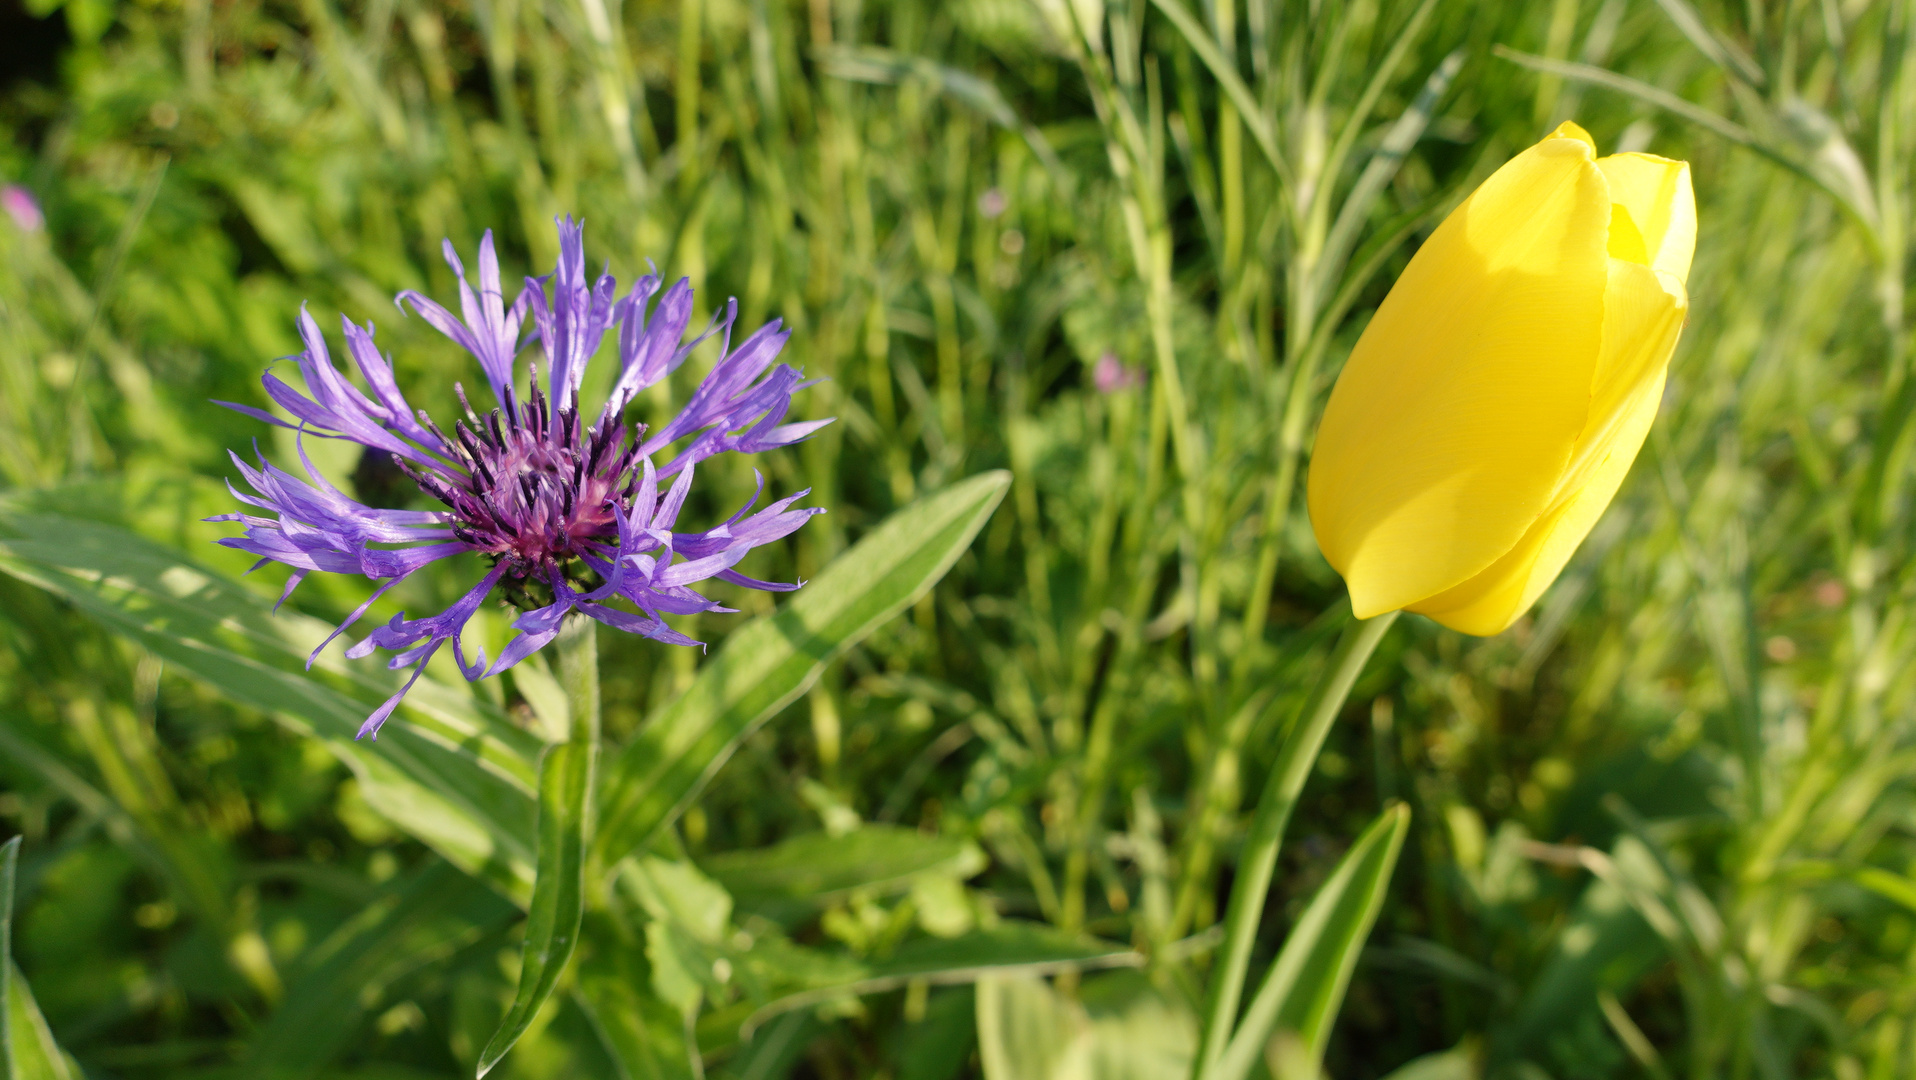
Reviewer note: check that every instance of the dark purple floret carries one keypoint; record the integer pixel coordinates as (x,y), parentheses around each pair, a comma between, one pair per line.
(568,513)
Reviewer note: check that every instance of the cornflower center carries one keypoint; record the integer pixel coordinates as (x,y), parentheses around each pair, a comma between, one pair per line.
(538,490)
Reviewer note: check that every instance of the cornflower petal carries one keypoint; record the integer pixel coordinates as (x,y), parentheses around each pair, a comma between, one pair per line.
(490,331)
(572,323)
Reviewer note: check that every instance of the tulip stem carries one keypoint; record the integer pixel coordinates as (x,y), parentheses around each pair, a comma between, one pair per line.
(1259,857)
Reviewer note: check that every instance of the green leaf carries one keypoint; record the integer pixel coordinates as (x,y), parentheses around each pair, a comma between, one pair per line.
(32,1053)
(1118,1027)
(767,664)
(1026,1032)
(692,952)
(558,894)
(1837,183)
(815,868)
(1305,986)
(690,915)
(1884,883)
(1383,71)
(1382,166)
(27,1049)
(678,893)
(1224,70)
(1722,52)
(644,1036)
(1457,1063)
(416,922)
(875,64)
(457,775)
(1010,948)
(1604,945)
(775,1050)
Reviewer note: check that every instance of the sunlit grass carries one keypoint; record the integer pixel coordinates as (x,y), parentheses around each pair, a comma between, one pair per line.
(1659,828)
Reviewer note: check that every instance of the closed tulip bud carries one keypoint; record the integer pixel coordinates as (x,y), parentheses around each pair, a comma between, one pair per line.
(1491,408)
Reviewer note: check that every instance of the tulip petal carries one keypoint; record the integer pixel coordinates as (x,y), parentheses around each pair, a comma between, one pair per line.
(1661,208)
(1570,129)
(1451,426)
(1643,316)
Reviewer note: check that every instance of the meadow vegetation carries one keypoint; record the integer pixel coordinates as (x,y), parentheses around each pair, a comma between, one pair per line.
(1663,827)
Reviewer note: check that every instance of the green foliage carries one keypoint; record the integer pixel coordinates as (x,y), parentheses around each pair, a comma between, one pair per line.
(971,801)
(764,667)
(1305,987)
(27,1049)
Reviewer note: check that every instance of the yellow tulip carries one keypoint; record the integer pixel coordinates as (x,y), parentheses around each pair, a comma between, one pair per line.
(1494,403)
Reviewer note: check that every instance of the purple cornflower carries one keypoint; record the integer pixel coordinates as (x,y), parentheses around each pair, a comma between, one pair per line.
(570,514)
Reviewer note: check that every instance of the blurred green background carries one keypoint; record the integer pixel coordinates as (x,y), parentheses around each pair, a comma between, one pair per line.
(1662,827)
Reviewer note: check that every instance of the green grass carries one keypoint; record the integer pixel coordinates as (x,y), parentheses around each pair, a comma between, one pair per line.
(1662,827)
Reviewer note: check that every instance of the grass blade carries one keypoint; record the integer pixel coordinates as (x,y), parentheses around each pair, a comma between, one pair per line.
(1729,129)
(1642,91)
(1010,948)
(27,1049)
(881,66)
(1722,52)
(9,870)
(1385,71)
(1383,166)
(1225,72)
(766,665)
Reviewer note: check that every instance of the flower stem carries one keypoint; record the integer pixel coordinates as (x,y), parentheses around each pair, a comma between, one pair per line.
(1259,857)
(578,648)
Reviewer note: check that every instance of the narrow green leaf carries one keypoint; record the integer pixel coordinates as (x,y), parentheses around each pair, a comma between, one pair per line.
(9,869)
(1884,883)
(1381,75)
(33,1055)
(1225,72)
(1638,89)
(1721,51)
(558,893)
(1383,165)
(1305,986)
(1010,948)
(1846,200)
(875,64)
(456,775)
(27,1049)
(767,664)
